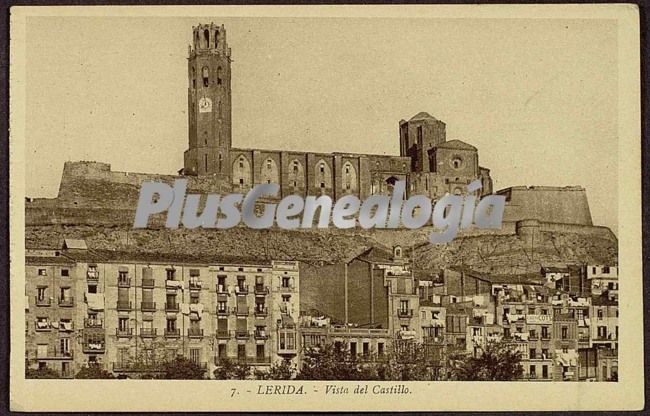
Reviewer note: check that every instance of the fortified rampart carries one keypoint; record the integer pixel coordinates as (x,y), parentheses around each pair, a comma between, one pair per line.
(566,205)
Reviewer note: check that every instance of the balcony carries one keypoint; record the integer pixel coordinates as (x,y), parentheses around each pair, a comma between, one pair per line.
(148,332)
(67,302)
(261,334)
(43,301)
(223,334)
(172,307)
(241,311)
(241,289)
(405,313)
(223,311)
(286,288)
(124,282)
(148,282)
(92,275)
(42,326)
(195,284)
(263,360)
(222,289)
(124,333)
(261,311)
(242,334)
(148,306)
(98,346)
(546,337)
(195,333)
(57,355)
(124,305)
(172,333)
(93,323)
(533,337)
(261,290)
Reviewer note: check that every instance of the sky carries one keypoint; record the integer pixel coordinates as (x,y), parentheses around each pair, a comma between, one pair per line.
(537,97)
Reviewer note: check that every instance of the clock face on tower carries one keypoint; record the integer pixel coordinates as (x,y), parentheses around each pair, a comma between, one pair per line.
(205,105)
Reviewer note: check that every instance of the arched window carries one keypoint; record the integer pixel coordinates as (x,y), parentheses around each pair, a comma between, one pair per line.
(296,175)
(457,162)
(323,175)
(206,36)
(206,76)
(241,173)
(219,75)
(220,162)
(270,172)
(349,177)
(216,39)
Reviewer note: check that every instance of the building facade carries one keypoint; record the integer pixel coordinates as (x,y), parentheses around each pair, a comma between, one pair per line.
(429,163)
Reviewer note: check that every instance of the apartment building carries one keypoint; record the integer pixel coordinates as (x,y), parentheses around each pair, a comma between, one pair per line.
(51,299)
(131,311)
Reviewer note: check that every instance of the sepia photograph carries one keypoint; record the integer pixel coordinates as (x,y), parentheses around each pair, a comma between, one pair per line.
(326,208)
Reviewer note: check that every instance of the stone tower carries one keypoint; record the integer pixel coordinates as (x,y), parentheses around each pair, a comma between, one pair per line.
(209,104)
(417,137)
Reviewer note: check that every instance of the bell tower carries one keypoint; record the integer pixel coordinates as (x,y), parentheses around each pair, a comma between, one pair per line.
(209,104)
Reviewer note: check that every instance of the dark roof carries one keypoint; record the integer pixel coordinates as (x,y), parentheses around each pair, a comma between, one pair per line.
(115,256)
(49,260)
(377,254)
(456,144)
(554,269)
(603,300)
(422,115)
(523,279)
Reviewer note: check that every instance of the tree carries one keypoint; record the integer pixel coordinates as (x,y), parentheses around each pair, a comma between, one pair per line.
(279,371)
(334,363)
(408,360)
(181,368)
(45,372)
(497,361)
(93,371)
(229,370)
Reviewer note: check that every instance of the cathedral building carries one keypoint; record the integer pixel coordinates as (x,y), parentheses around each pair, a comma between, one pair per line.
(429,163)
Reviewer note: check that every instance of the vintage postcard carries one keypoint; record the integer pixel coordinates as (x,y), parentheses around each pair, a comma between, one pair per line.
(326,208)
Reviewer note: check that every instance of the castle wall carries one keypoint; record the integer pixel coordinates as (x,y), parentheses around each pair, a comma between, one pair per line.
(567,205)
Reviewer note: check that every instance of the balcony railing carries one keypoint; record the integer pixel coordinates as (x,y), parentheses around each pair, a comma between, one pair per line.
(172,333)
(222,289)
(57,355)
(287,288)
(147,306)
(124,282)
(261,290)
(93,323)
(195,284)
(223,334)
(124,333)
(172,307)
(92,275)
(261,335)
(43,326)
(241,289)
(91,347)
(223,311)
(241,310)
(195,332)
(546,337)
(124,305)
(261,311)
(242,334)
(218,361)
(67,301)
(405,313)
(43,301)
(148,282)
(148,332)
